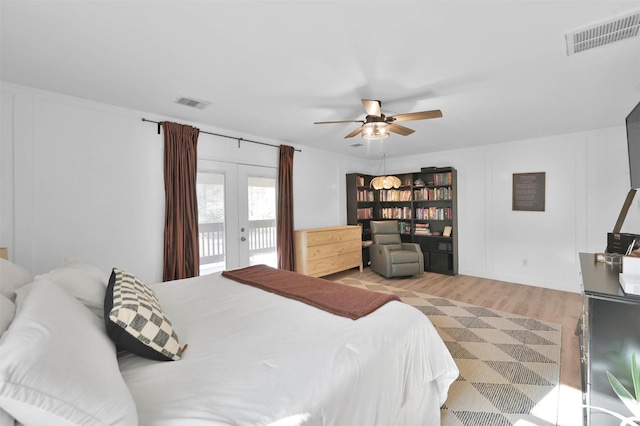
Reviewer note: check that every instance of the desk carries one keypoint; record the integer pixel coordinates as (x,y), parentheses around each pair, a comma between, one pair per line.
(609,333)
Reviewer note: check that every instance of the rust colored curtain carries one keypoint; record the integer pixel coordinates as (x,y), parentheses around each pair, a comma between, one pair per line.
(181,254)
(285,208)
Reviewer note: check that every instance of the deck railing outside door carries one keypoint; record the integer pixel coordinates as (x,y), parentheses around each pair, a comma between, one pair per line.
(211,239)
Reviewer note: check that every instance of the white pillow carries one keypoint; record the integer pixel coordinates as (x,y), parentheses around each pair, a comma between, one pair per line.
(83,281)
(7,311)
(12,277)
(58,366)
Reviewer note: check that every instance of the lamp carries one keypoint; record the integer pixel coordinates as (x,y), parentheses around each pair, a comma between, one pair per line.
(375,130)
(386,182)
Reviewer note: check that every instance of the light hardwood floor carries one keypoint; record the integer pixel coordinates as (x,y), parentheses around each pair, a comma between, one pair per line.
(535,302)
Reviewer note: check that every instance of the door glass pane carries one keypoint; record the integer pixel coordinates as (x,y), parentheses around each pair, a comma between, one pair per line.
(211,229)
(262,221)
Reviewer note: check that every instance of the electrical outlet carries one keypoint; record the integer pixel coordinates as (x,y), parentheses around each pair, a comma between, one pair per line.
(525,262)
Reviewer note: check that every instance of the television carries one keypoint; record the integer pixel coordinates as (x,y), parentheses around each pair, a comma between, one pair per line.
(633,144)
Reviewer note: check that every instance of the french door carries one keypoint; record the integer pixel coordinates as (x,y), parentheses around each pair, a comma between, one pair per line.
(237,215)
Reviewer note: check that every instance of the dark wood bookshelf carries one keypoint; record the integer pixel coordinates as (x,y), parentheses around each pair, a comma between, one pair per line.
(425,198)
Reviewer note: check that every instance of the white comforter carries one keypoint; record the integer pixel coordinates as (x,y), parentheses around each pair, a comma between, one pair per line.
(255,358)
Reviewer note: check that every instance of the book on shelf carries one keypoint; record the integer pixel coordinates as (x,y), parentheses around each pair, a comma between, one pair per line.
(395,195)
(433,213)
(364,213)
(443,193)
(395,213)
(442,179)
(365,195)
(404,227)
(421,229)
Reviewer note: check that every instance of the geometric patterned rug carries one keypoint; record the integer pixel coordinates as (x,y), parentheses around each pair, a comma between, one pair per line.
(509,364)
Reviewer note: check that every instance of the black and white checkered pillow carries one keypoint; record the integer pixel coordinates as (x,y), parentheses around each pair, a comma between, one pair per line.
(135,321)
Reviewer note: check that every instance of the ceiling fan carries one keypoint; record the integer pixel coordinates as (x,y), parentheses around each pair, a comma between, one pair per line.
(376,125)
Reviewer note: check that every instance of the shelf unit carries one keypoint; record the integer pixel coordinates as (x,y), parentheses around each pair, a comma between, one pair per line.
(427,198)
(395,203)
(361,207)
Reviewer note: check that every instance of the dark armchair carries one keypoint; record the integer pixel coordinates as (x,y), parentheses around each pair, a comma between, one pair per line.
(391,257)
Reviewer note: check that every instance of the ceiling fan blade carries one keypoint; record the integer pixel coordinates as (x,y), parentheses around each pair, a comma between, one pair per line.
(396,128)
(422,115)
(354,133)
(372,107)
(340,121)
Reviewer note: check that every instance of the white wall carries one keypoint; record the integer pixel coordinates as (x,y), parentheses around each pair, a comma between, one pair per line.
(81,179)
(587,180)
(85,180)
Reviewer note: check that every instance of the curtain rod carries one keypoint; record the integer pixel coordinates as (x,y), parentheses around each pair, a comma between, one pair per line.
(159,123)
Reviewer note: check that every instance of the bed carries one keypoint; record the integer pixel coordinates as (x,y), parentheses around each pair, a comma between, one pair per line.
(252,358)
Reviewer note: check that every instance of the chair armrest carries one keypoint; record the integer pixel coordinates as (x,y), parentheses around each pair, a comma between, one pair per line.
(380,259)
(415,247)
(411,246)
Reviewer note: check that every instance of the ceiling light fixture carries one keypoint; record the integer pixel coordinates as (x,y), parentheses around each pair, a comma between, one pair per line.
(385,182)
(375,130)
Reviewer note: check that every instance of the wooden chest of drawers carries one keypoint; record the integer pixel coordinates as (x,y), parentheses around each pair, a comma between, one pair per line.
(324,251)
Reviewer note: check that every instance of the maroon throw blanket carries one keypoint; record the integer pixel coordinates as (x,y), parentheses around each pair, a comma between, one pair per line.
(339,299)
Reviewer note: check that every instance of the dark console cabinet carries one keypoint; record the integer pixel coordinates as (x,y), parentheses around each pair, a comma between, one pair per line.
(609,335)
(619,243)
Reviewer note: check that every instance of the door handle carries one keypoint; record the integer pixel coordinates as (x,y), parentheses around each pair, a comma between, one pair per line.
(243,239)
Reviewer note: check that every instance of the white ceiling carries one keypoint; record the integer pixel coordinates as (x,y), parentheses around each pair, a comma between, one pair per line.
(498,70)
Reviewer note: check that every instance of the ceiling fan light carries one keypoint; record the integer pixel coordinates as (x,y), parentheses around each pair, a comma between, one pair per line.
(375,130)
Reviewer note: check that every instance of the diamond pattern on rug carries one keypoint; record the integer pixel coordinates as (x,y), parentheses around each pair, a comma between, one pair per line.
(515,372)
(430,310)
(375,287)
(403,293)
(523,353)
(481,312)
(481,418)
(458,351)
(532,324)
(505,397)
(527,337)
(462,334)
(472,322)
(509,365)
(439,301)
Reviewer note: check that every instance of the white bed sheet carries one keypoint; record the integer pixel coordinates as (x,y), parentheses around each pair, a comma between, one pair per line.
(255,358)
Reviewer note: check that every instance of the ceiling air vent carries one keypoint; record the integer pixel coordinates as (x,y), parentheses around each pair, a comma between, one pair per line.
(607,32)
(194,103)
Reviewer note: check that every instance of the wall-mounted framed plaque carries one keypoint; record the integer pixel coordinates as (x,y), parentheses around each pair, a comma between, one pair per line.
(528,192)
